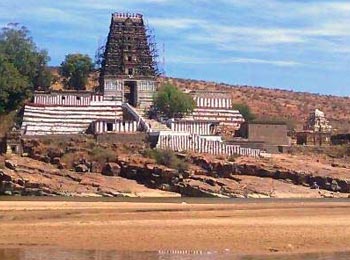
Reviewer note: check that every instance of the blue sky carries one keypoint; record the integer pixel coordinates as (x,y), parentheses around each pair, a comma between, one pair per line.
(294,45)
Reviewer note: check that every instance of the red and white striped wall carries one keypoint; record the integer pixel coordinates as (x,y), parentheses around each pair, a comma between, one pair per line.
(100,127)
(192,127)
(213,102)
(46,119)
(66,99)
(222,116)
(96,98)
(199,144)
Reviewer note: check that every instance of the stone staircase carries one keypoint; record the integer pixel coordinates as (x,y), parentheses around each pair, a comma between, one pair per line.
(155,126)
(149,125)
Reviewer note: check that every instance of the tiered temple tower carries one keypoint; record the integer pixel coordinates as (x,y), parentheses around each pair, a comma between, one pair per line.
(129,68)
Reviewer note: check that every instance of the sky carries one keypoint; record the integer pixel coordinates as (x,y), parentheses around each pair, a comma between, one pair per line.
(295,45)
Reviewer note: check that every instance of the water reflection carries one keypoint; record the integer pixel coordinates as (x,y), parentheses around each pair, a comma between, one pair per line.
(62,254)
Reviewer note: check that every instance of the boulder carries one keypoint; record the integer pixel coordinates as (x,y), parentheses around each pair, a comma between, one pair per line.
(81,168)
(4,176)
(54,153)
(335,186)
(56,160)
(10,164)
(62,166)
(31,185)
(111,169)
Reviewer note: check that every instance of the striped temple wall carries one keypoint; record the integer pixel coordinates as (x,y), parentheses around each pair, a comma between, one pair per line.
(199,144)
(215,107)
(215,115)
(66,99)
(192,127)
(55,119)
(102,126)
(213,102)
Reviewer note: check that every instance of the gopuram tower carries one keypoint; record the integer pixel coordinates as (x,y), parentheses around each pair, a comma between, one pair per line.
(129,68)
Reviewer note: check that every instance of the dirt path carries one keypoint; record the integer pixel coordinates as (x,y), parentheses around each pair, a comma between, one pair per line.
(254,228)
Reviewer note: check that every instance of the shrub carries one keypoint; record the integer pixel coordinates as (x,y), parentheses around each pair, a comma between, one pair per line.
(340,151)
(233,158)
(172,102)
(102,155)
(245,110)
(167,158)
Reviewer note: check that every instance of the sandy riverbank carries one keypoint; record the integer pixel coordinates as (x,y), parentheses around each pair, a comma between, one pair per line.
(247,228)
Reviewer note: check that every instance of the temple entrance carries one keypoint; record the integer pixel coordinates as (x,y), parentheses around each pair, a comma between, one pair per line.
(130,95)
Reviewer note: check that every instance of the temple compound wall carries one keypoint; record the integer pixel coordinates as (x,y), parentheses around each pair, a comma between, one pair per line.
(192,127)
(67,98)
(213,100)
(215,106)
(110,126)
(198,144)
(54,119)
(212,113)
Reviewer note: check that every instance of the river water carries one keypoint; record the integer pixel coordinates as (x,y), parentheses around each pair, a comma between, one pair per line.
(63,254)
(190,200)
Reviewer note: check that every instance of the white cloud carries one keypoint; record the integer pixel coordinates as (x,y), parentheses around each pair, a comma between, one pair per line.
(174,23)
(196,60)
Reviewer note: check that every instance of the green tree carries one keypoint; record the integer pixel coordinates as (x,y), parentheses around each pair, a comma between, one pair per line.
(13,86)
(42,77)
(23,67)
(20,50)
(76,69)
(244,109)
(172,102)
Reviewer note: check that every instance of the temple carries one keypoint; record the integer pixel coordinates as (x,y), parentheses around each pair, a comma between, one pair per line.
(128,82)
(129,68)
(316,131)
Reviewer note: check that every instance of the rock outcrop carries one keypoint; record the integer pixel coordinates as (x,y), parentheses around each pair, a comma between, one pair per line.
(111,169)
(227,169)
(218,178)
(207,176)
(28,177)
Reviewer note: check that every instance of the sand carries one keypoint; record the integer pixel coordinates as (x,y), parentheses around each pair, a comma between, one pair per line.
(266,227)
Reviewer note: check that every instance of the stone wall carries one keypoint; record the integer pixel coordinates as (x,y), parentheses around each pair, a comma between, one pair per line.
(272,134)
